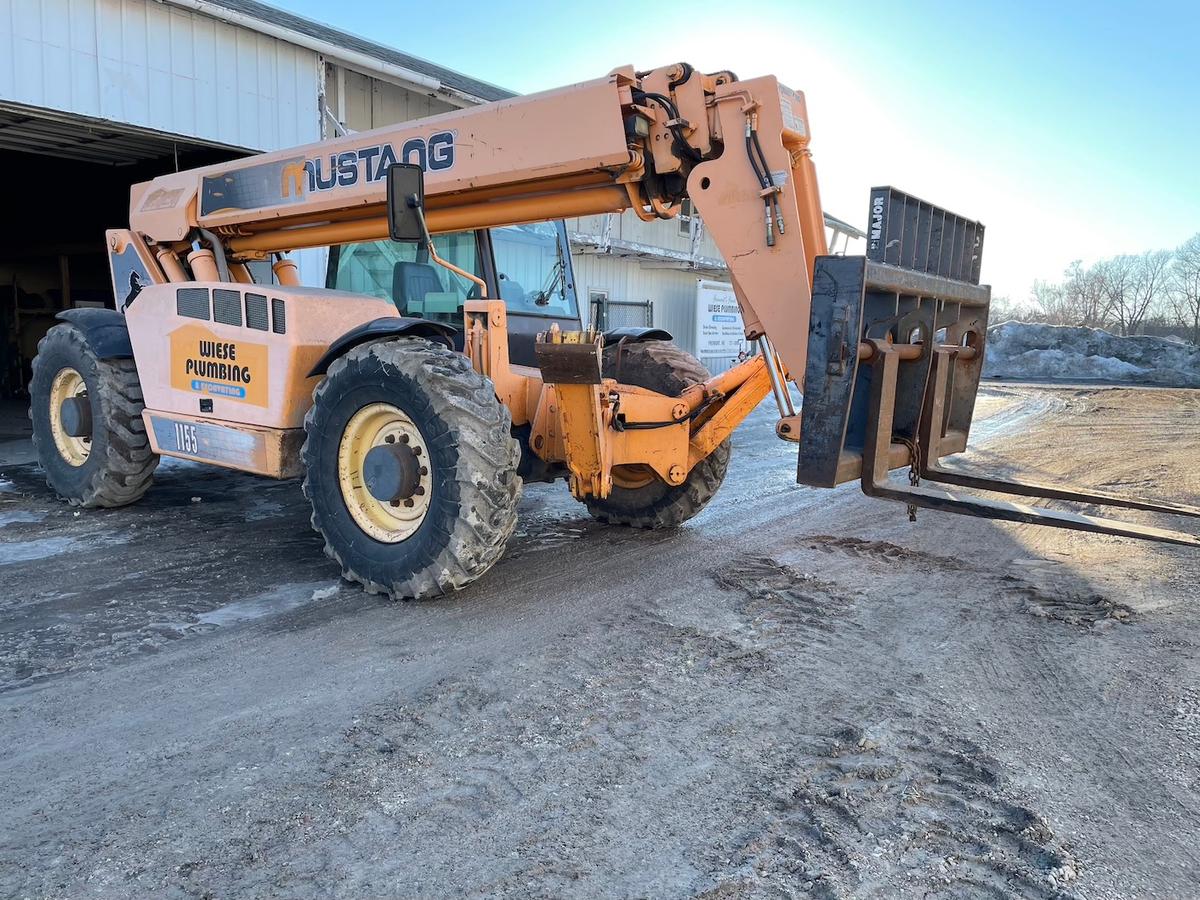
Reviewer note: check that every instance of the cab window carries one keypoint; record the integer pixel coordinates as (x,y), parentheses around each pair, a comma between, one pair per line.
(404,274)
(532,269)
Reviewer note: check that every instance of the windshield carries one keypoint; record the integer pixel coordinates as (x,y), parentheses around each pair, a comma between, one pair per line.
(533,270)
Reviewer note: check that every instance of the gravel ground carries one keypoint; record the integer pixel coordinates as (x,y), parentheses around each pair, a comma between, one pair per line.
(798,694)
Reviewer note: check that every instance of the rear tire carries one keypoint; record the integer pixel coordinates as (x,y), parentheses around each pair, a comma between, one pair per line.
(666,368)
(453,525)
(114,465)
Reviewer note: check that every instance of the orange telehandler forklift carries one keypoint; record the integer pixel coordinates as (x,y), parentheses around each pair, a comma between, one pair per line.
(416,404)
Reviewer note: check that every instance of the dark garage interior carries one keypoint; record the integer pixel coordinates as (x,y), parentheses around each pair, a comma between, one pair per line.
(68,181)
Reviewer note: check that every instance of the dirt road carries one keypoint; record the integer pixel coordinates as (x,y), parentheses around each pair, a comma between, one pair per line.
(799,693)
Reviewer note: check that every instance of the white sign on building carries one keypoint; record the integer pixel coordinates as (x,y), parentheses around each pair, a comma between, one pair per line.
(719,328)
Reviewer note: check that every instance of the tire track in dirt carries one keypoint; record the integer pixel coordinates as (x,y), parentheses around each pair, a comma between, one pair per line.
(1053,597)
(611,724)
(1026,405)
(1088,610)
(782,596)
(543,531)
(918,812)
(862,811)
(882,551)
(1083,725)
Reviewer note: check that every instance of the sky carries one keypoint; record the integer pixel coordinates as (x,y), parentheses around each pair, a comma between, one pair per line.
(1070,129)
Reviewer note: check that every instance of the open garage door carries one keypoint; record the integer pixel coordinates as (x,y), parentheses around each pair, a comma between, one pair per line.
(66,179)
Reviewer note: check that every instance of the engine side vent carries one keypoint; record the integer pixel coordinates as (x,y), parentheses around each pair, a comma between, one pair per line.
(256,312)
(227,307)
(192,302)
(278,316)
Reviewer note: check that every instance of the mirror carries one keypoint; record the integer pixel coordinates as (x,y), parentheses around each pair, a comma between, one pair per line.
(405,199)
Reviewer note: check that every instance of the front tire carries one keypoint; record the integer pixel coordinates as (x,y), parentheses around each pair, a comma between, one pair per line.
(640,498)
(109,462)
(448,511)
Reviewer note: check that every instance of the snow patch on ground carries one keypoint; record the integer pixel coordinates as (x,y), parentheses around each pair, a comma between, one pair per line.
(43,548)
(281,599)
(12,552)
(20,515)
(1030,350)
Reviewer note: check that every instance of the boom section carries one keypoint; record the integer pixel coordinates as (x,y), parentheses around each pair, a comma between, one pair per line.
(564,141)
(640,140)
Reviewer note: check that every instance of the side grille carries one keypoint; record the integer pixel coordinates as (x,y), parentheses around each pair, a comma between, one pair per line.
(907,232)
(227,307)
(256,312)
(192,302)
(278,316)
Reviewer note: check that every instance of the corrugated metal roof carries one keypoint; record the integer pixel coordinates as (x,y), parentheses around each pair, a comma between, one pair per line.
(319,31)
(71,136)
(844,227)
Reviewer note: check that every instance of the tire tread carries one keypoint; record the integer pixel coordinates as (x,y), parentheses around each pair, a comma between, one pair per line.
(479,424)
(127,469)
(669,369)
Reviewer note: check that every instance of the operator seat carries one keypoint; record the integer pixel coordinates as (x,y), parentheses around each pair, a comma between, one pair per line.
(411,281)
(511,291)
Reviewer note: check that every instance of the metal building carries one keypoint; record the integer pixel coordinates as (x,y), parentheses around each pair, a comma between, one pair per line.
(96,95)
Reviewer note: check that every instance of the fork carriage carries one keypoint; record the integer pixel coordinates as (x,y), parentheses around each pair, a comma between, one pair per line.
(896,352)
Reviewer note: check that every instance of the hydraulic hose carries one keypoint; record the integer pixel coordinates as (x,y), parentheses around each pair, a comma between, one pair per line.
(218,250)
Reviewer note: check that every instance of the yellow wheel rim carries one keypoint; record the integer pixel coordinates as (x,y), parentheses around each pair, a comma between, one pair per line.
(633,477)
(67,384)
(372,426)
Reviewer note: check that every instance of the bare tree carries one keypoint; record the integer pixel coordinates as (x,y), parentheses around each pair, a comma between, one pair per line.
(1050,298)
(1114,276)
(1148,295)
(1003,309)
(1133,285)
(1184,286)
(1083,295)
(1123,293)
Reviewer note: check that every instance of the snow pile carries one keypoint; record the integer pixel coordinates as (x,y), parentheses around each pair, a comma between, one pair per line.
(1028,350)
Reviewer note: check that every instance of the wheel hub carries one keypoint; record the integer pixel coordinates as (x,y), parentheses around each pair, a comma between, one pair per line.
(76,413)
(392,472)
(384,472)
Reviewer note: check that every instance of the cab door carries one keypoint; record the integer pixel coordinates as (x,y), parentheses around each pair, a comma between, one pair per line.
(527,266)
(531,273)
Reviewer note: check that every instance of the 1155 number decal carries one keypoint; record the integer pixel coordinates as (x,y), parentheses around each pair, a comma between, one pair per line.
(185,438)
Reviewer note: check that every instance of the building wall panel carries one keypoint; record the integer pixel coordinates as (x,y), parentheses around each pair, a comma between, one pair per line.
(668,234)
(673,292)
(373,103)
(147,64)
